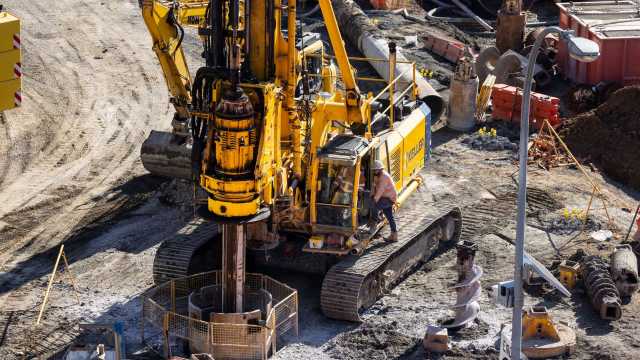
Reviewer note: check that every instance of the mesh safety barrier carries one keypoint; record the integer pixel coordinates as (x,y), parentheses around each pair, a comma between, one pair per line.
(165,309)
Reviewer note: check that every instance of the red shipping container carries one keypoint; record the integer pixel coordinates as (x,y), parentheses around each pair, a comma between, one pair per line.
(615,27)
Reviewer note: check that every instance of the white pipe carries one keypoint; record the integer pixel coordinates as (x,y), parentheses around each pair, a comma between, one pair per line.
(360,31)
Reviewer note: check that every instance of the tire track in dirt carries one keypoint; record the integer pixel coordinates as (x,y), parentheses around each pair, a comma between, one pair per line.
(93,131)
(5,143)
(93,90)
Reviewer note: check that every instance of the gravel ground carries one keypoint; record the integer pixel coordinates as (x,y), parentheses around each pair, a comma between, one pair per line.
(400,318)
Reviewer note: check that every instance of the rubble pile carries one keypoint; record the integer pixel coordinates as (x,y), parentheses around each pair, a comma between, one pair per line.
(485,139)
(609,135)
(545,152)
(568,223)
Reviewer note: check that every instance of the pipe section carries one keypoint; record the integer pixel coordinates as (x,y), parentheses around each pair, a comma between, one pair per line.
(360,31)
(624,270)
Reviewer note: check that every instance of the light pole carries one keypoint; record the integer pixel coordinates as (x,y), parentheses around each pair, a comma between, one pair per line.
(583,50)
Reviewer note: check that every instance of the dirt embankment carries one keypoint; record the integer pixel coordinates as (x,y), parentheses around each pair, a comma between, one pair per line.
(610,135)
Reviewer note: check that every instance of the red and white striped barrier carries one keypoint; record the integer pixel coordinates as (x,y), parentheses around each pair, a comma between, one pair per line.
(18,98)
(17,70)
(16,41)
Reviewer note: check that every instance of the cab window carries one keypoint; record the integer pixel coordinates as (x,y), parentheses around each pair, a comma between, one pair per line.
(335,194)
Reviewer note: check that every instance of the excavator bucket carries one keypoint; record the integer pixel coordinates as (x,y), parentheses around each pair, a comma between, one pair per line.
(167,154)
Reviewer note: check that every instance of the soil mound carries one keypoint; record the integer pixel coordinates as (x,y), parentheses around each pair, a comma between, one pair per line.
(610,135)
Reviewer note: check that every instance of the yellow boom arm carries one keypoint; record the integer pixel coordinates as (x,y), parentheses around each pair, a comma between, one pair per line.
(191,12)
(352,98)
(163,21)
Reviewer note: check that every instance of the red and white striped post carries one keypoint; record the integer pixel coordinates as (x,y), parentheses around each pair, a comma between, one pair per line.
(16,41)
(18,98)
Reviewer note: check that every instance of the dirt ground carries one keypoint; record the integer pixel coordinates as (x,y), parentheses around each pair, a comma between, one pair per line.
(70,172)
(395,325)
(69,160)
(609,135)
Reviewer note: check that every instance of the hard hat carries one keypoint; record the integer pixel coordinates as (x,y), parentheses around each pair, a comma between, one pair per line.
(377,165)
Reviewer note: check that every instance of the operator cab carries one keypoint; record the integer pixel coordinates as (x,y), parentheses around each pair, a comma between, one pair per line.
(343,186)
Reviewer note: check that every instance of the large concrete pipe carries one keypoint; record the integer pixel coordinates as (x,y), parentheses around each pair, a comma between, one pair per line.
(356,26)
(462,98)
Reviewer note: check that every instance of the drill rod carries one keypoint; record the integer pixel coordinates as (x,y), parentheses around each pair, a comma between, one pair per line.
(233,267)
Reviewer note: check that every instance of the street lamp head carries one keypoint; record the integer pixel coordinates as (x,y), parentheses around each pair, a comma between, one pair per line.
(582,49)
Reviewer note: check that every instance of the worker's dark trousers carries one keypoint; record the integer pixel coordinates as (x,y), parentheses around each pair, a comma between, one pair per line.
(386,206)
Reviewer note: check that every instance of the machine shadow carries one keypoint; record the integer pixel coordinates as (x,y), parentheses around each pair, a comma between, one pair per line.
(87,238)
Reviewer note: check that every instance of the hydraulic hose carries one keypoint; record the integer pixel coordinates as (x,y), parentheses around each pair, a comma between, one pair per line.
(171,19)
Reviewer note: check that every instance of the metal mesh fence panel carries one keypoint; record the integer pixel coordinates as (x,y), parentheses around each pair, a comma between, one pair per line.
(165,309)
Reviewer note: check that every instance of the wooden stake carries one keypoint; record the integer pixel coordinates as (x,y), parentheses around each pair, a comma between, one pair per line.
(584,172)
(580,167)
(586,213)
(46,294)
(67,270)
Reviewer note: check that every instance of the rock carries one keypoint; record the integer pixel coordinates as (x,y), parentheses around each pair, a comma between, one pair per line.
(488,142)
(601,235)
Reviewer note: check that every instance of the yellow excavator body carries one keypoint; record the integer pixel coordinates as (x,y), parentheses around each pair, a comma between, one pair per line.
(260,132)
(281,144)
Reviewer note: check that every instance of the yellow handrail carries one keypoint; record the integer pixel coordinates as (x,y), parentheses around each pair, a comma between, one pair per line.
(389,85)
(358,58)
(399,97)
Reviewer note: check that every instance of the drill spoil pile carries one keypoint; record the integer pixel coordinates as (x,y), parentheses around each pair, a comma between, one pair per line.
(610,135)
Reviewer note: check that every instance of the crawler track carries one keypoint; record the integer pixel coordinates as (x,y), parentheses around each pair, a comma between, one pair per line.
(177,256)
(356,282)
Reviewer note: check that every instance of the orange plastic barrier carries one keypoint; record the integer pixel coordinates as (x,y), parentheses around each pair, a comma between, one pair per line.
(507,101)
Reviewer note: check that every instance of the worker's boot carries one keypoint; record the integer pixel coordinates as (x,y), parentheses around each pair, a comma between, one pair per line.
(372,224)
(393,237)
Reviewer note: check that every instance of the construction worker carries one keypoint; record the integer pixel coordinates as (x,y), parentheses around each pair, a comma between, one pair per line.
(384,197)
